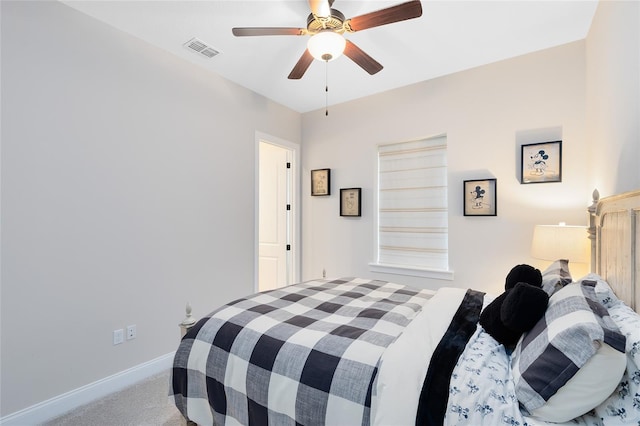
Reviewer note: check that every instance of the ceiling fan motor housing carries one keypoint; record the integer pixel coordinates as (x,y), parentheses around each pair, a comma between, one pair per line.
(334,22)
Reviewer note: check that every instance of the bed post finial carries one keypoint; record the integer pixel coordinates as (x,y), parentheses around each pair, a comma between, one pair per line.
(592,227)
(187,322)
(189,319)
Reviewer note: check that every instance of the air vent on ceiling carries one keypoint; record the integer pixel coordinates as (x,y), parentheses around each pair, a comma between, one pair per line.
(201,47)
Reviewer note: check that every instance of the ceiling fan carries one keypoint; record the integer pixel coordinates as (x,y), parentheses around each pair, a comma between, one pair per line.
(325,22)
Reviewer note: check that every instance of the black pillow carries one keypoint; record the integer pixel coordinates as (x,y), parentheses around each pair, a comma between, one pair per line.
(523,306)
(523,274)
(490,320)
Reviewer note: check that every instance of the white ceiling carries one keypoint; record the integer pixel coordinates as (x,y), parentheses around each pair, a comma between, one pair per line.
(451,35)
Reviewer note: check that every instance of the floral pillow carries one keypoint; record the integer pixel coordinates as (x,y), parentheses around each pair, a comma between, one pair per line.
(623,406)
(604,293)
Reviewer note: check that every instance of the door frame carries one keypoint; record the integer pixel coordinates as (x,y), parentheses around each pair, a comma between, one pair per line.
(296,217)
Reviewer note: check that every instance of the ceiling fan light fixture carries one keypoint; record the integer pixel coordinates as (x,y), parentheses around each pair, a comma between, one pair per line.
(326,45)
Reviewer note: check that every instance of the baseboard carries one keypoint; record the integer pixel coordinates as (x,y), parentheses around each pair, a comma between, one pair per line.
(56,406)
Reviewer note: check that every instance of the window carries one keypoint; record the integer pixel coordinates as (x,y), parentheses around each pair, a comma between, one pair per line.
(412,208)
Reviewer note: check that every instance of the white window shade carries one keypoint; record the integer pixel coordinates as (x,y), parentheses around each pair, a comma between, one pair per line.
(412,204)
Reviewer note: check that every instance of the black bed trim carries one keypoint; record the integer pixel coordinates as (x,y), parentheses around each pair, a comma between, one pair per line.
(434,396)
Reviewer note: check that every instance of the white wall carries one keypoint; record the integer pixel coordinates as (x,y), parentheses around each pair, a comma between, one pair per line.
(613,96)
(487,113)
(127,189)
(585,93)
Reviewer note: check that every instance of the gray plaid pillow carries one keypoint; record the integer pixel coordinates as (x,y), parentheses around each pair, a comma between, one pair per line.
(556,276)
(574,328)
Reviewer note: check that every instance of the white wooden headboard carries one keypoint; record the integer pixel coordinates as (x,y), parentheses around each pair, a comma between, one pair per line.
(614,230)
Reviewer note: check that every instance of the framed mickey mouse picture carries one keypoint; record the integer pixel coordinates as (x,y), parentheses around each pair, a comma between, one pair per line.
(480,197)
(541,162)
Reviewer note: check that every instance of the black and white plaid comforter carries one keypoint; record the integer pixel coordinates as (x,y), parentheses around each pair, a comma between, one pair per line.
(305,354)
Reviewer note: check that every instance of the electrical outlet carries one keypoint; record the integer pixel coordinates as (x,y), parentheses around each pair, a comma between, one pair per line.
(118,336)
(131,332)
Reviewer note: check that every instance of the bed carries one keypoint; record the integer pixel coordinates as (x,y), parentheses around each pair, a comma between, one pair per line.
(355,351)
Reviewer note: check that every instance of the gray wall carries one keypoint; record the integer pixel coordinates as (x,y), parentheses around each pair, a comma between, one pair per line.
(613,96)
(127,189)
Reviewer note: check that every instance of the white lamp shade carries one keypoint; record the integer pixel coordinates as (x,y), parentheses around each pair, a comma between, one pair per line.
(326,45)
(553,242)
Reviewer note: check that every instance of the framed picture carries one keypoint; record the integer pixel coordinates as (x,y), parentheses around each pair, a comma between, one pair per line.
(541,162)
(480,197)
(321,182)
(350,202)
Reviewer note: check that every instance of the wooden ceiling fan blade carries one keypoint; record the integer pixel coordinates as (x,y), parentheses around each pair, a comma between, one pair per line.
(400,12)
(267,31)
(361,58)
(301,66)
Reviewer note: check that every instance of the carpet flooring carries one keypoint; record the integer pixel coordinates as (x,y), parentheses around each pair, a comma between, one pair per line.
(144,404)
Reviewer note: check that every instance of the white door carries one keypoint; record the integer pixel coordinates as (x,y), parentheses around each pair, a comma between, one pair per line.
(274,257)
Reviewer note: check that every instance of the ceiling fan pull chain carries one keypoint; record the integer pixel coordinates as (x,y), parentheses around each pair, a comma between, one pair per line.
(326,89)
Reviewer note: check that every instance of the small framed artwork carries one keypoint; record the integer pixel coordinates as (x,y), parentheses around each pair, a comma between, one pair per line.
(350,202)
(480,197)
(321,182)
(541,162)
